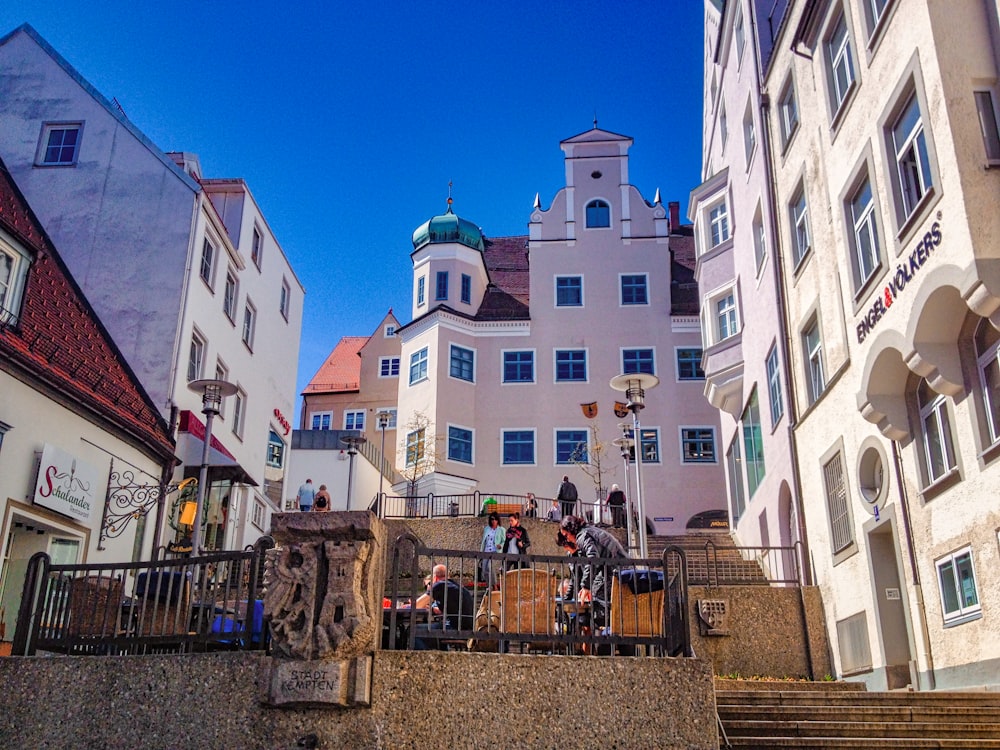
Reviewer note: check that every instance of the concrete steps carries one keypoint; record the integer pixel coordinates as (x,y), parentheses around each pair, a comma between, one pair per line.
(725,562)
(815,717)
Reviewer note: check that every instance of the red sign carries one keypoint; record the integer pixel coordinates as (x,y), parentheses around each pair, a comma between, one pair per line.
(282,421)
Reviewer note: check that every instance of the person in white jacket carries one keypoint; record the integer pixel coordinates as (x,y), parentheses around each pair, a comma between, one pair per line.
(494,536)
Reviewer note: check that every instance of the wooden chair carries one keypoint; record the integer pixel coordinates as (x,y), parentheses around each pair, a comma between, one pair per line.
(95,604)
(634,614)
(528,606)
(163,605)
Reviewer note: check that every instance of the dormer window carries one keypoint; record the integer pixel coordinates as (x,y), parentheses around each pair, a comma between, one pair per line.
(598,215)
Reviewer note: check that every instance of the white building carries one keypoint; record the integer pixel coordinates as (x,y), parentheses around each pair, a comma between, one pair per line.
(184,271)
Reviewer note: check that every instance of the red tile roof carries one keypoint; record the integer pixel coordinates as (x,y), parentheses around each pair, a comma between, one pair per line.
(509,291)
(59,343)
(342,370)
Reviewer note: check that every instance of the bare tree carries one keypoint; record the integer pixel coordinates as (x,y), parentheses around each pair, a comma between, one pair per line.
(596,461)
(420,446)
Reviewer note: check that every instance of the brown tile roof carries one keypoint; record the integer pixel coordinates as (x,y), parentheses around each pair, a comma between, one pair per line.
(342,370)
(684,299)
(58,342)
(508,294)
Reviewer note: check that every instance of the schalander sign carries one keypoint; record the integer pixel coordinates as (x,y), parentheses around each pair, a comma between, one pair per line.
(905,272)
(66,485)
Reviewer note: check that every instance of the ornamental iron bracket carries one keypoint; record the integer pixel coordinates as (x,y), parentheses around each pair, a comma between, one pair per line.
(129,501)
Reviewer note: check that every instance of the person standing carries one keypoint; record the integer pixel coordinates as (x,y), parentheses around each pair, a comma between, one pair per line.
(494,538)
(517,541)
(591,543)
(616,504)
(307,493)
(322,501)
(567,497)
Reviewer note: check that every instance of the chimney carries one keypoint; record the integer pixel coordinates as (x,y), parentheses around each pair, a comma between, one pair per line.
(675,215)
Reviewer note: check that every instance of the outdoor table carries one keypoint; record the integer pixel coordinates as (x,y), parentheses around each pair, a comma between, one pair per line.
(406,617)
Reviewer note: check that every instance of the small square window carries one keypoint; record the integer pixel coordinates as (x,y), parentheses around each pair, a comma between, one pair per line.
(460,444)
(59,145)
(571,446)
(697,445)
(418,366)
(569,291)
(321,421)
(959,593)
(462,364)
(388,367)
(518,447)
(354,419)
(689,364)
(633,289)
(638,360)
(571,365)
(519,367)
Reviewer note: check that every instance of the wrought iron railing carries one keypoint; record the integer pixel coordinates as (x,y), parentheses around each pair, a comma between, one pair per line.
(505,603)
(475,504)
(162,606)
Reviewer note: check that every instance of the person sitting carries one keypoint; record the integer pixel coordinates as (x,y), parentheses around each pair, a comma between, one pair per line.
(554,514)
(453,606)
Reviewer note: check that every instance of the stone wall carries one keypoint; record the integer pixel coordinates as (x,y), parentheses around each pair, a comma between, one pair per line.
(430,700)
(769,629)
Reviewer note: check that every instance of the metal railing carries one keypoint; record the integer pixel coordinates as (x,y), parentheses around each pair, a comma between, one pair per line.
(474,504)
(726,565)
(499,602)
(162,606)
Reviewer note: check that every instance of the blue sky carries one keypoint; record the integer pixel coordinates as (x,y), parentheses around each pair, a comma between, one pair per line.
(348,120)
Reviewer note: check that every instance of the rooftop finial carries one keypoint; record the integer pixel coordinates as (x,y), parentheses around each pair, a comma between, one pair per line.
(449,196)
(595,118)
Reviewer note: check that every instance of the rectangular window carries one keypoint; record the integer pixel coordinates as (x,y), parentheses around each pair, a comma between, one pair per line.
(221,373)
(462,363)
(249,324)
(874,10)
(414,447)
(598,215)
(207,262)
(257,248)
(753,444)
(812,345)
(390,331)
(571,446)
(60,144)
(723,127)
(740,35)
(569,291)
(259,512)
(939,451)
(230,295)
(698,445)
(239,412)
(649,445)
(749,135)
(734,466)
(637,360)
(354,419)
(275,451)
(466,288)
(988,124)
(841,61)
(774,386)
(460,444)
(388,367)
(865,235)
(959,594)
(841,530)
(571,365)
(418,366)
(13,271)
(441,288)
(196,357)
(718,219)
(759,240)
(391,422)
(987,341)
(800,226)
(725,316)
(519,367)
(634,289)
(420,290)
(913,169)
(788,113)
(322,421)
(284,300)
(689,364)
(518,447)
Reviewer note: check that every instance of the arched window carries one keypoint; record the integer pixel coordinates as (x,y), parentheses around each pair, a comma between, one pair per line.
(987,349)
(598,214)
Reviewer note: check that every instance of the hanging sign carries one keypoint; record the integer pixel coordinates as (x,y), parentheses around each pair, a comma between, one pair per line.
(66,484)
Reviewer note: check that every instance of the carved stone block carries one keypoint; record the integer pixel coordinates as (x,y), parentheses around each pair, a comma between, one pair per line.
(713,616)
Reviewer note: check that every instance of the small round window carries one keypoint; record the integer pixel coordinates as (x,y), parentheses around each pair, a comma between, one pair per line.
(596,174)
(872,480)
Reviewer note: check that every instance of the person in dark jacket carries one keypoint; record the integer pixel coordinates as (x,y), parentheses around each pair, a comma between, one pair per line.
(592,542)
(616,504)
(567,497)
(517,540)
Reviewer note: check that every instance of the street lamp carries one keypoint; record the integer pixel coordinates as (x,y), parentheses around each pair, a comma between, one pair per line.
(625,444)
(383,418)
(352,442)
(212,392)
(635,385)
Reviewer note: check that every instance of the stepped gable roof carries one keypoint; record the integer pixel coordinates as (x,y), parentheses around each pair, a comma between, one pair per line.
(507,296)
(342,370)
(59,344)
(684,299)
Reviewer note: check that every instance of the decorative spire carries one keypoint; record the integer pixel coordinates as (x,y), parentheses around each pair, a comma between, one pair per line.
(656,198)
(449,197)
(538,202)
(595,118)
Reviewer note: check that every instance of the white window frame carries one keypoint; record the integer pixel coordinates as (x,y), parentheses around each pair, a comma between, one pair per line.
(637,349)
(777,401)
(697,365)
(734,464)
(788,112)
(937,439)
(207,262)
(196,356)
(239,411)
(389,331)
(739,37)
(12,292)
(259,514)
(421,291)
(697,435)
(503,445)
(597,203)
(864,239)
(221,373)
(320,417)
(257,247)
(284,301)
(798,211)
(472,444)
(503,366)
(988,119)
(249,324)
(749,135)
(419,366)
(717,223)
(841,71)
(964,611)
(352,417)
(555,365)
(913,175)
(875,12)
(723,127)
(416,447)
(393,413)
(452,350)
(812,348)
(230,295)
(759,239)
(988,367)
(385,367)
(725,315)
(48,128)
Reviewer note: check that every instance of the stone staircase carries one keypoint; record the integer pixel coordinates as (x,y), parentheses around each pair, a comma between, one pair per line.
(843,715)
(710,552)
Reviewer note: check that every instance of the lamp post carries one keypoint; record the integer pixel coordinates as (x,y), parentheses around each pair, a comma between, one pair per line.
(352,442)
(635,385)
(625,444)
(212,392)
(383,418)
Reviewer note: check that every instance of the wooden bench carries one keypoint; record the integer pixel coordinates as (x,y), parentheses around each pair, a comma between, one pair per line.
(505,509)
